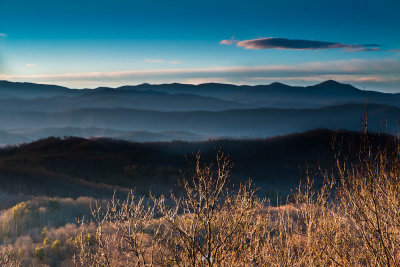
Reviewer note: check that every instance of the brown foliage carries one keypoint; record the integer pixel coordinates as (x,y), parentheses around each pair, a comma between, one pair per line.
(353,220)
(9,257)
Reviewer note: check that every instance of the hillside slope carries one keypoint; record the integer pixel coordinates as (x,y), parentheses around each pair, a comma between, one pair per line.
(76,166)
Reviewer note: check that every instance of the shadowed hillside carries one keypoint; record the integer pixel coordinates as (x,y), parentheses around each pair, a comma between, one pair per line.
(76,166)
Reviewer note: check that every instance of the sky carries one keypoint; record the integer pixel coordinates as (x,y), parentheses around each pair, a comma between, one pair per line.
(91,43)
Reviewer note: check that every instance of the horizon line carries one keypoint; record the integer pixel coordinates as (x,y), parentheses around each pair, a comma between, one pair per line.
(179,83)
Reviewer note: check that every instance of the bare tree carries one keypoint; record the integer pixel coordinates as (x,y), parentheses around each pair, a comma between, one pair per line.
(209,225)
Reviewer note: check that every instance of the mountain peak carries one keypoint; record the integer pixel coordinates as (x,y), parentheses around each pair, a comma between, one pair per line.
(330,83)
(278,84)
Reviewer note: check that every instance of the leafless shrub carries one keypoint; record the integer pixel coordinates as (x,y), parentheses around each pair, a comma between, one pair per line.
(369,198)
(123,234)
(210,225)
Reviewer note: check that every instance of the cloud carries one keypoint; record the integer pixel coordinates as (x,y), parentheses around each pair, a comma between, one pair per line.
(354,67)
(292,44)
(3,35)
(229,42)
(382,74)
(321,78)
(30,65)
(394,50)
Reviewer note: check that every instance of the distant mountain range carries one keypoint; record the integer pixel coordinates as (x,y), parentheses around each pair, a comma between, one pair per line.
(187,97)
(188,112)
(278,95)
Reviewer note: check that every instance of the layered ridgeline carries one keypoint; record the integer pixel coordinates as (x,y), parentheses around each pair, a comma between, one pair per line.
(187,112)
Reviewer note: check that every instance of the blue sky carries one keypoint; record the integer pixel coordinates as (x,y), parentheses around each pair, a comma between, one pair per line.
(90,43)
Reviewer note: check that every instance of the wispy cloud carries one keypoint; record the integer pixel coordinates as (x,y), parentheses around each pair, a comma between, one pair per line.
(293,44)
(355,66)
(229,42)
(3,34)
(30,65)
(337,77)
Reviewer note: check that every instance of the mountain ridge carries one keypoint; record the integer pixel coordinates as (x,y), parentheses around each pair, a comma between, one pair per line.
(239,123)
(206,96)
(189,112)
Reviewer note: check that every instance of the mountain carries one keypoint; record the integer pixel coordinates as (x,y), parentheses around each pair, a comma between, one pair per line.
(33,90)
(155,100)
(116,99)
(248,123)
(74,166)
(37,97)
(188,112)
(278,95)
(188,97)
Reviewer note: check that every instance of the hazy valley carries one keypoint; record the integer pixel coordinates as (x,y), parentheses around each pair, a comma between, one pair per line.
(187,112)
